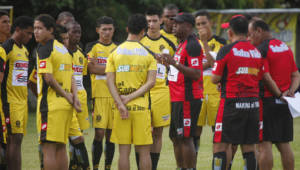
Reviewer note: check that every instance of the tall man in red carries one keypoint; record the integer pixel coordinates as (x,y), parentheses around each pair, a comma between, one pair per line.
(238,68)
(186,88)
(277,120)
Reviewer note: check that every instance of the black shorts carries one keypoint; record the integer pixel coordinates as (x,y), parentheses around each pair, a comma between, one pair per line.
(237,121)
(278,121)
(184,116)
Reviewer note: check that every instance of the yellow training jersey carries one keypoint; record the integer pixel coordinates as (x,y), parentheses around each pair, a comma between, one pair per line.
(79,68)
(131,62)
(53,58)
(101,52)
(14,84)
(215,44)
(157,46)
(170,36)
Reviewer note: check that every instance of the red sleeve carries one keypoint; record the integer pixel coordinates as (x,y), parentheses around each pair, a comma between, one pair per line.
(219,67)
(195,62)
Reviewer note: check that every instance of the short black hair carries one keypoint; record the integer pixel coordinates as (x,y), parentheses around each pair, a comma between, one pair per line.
(70,24)
(23,22)
(104,20)
(136,23)
(47,20)
(260,24)
(60,30)
(171,7)
(2,13)
(152,10)
(239,25)
(202,13)
(64,14)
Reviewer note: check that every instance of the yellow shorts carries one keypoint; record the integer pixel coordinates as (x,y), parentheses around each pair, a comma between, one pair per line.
(54,126)
(16,115)
(74,127)
(209,109)
(134,130)
(103,114)
(160,109)
(83,117)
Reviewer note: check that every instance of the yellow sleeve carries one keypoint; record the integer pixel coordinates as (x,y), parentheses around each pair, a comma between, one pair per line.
(2,54)
(90,55)
(110,65)
(45,65)
(84,71)
(152,64)
(33,76)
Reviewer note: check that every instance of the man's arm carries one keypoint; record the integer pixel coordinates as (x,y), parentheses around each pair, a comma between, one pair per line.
(192,73)
(216,78)
(271,85)
(151,79)
(49,79)
(95,68)
(111,77)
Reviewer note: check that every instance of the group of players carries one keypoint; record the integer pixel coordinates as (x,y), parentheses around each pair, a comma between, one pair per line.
(159,76)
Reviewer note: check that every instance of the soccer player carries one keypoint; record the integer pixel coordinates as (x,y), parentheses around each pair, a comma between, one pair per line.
(4,26)
(238,68)
(80,121)
(14,88)
(64,17)
(211,95)
(169,11)
(2,119)
(185,83)
(98,52)
(277,120)
(131,73)
(57,93)
(160,93)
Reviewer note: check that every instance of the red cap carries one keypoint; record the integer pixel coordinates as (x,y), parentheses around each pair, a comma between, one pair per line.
(226,24)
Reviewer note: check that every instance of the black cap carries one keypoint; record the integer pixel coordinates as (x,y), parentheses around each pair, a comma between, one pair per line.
(185,17)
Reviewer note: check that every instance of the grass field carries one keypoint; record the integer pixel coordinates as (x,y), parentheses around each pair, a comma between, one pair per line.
(30,159)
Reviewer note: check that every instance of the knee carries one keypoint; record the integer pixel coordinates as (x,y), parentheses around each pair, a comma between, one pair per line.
(99,134)
(157,133)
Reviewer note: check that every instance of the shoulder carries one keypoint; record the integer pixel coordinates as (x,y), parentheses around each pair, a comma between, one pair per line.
(90,46)
(44,51)
(193,46)
(219,39)
(169,42)
(8,45)
(263,48)
(225,50)
(148,50)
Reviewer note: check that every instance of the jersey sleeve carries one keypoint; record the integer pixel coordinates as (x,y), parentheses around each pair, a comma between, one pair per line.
(221,60)
(153,63)
(85,62)
(44,59)
(293,63)
(89,51)
(110,65)
(33,76)
(2,59)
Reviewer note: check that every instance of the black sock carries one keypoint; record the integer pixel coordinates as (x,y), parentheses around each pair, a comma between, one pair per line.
(196,143)
(249,161)
(137,159)
(82,156)
(97,149)
(219,161)
(109,154)
(73,160)
(154,159)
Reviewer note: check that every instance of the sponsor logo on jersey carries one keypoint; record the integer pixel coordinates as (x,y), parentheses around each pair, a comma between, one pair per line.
(42,64)
(218,127)
(195,62)
(278,49)
(101,60)
(247,70)
(44,126)
(186,122)
(246,105)
(246,54)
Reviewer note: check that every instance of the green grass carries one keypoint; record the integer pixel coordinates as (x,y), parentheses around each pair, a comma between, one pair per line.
(30,159)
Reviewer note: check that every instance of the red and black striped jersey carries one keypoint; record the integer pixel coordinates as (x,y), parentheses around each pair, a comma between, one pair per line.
(183,88)
(240,64)
(279,63)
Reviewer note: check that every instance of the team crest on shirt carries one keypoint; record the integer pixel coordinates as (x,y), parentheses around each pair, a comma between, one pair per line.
(212,47)
(98,118)
(161,47)
(186,122)
(80,60)
(18,123)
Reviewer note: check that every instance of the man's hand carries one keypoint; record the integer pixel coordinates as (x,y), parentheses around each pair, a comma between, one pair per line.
(69,97)
(168,59)
(203,34)
(123,111)
(77,105)
(94,60)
